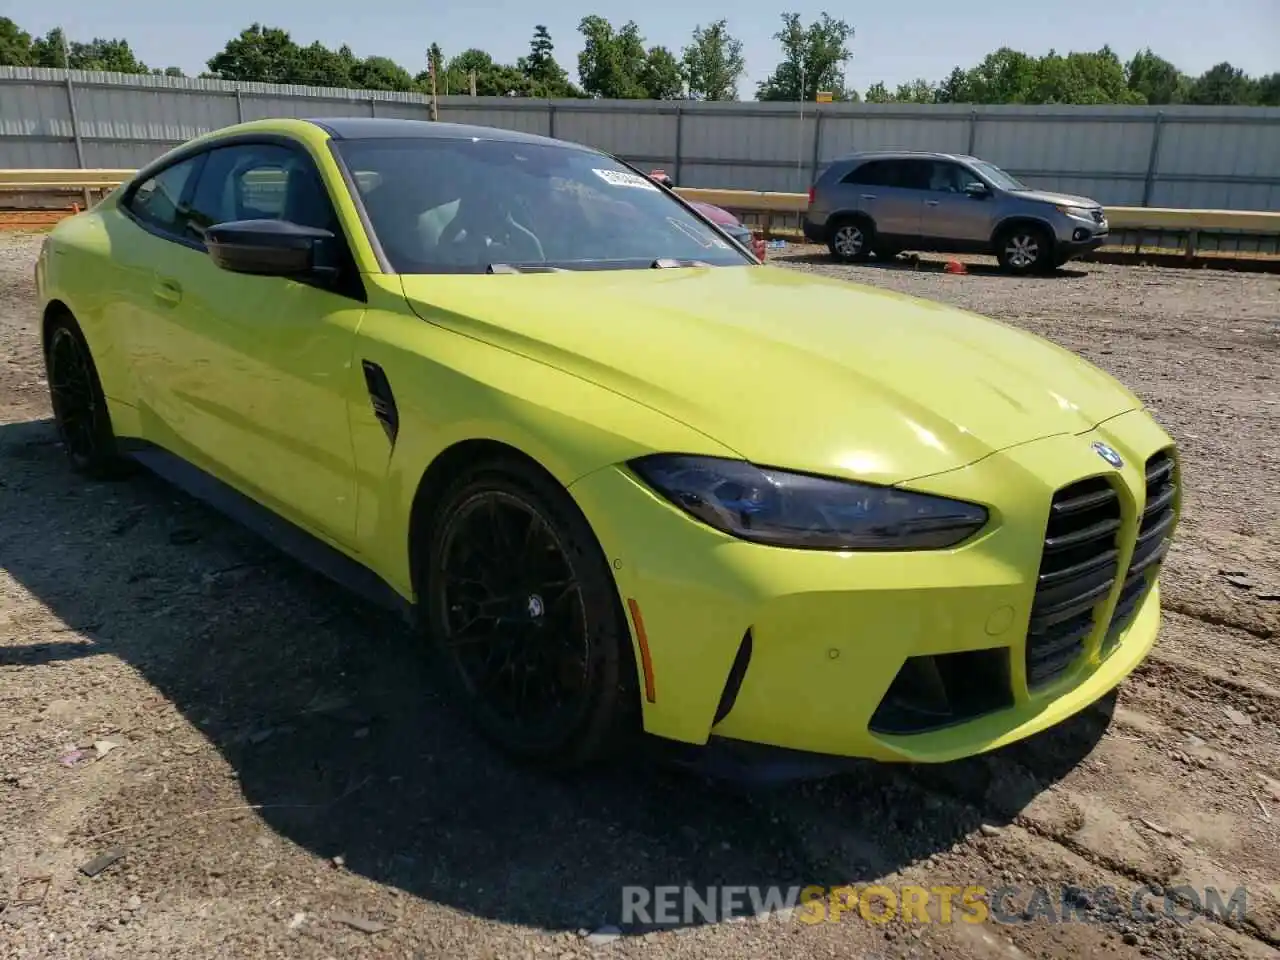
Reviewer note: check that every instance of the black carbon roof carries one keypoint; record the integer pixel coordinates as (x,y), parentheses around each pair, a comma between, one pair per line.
(379,128)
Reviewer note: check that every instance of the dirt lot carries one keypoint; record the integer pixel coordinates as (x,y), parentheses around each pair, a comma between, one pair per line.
(281,781)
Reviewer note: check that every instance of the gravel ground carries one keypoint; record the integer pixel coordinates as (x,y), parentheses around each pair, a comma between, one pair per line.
(279,779)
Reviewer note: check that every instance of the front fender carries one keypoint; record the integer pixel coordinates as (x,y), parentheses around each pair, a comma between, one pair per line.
(450,388)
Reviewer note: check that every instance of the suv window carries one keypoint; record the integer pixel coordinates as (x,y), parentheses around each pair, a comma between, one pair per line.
(948,177)
(259,181)
(874,173)
(158,201)
(903,173)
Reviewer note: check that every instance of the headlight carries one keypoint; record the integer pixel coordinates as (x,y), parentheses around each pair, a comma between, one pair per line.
(797,510)
(1080,213)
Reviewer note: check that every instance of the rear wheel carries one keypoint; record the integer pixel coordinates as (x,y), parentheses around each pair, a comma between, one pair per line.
(524,617)
(79,406)
(851,240)
(1024,249)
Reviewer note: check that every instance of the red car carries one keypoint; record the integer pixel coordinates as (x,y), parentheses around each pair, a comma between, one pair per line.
(722,218)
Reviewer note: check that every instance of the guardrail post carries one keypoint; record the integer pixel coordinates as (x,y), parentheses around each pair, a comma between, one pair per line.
(373,107)
(973,131)
(1154,158)
(239,107)
(679,142)
(75,133)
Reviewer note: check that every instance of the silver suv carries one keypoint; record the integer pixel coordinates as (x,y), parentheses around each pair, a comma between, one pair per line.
(887,202)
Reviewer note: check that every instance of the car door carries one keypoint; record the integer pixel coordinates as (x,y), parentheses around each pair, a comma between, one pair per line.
(258,370)
(887,193)
(952,218)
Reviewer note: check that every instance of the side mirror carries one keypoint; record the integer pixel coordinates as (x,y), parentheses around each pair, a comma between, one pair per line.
(270,248)
(976,189)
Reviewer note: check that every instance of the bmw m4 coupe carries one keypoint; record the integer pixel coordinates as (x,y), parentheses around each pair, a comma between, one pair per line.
(621,476)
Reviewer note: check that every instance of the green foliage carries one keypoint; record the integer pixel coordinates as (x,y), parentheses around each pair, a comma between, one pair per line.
(615,64)
(713,63)
(611,62)
(1010,76)
(543,75)
(813,60)
(15,45)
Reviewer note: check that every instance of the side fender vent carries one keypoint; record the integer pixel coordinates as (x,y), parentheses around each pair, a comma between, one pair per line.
(383,400)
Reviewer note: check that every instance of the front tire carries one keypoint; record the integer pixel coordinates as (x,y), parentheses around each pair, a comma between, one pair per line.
(525,620)
(851,240)
(79,405)
(1024,249)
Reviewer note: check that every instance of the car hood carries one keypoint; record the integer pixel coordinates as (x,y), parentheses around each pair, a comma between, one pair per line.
(788,369)
(1059,199)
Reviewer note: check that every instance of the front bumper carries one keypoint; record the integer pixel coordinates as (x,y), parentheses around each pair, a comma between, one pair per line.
(830,632)
(1080,237)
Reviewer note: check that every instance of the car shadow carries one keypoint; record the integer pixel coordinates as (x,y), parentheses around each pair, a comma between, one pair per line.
(910,262)
(324,710)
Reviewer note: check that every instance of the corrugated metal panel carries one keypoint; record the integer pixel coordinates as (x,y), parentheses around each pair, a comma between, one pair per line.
(640,133)
(841,136)
(1218,157)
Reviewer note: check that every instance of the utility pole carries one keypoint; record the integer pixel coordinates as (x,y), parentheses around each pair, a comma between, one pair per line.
(435,106)
(473,83)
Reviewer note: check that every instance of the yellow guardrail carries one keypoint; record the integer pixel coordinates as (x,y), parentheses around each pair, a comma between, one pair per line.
(747,201)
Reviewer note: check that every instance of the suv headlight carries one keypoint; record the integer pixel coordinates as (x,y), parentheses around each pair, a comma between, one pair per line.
(798,510)
(1080,213)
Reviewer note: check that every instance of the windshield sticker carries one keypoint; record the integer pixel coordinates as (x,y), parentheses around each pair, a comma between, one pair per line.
(621,178)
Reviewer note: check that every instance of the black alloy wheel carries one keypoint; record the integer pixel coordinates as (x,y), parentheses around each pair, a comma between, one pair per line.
(525,618)
(79,407)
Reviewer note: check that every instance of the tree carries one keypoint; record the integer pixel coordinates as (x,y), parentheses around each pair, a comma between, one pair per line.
(1155,78)
(15,45)
(1221,85)
(168,72)
(813,60)
(318,66)
(878,93)
(264,54)
(1268,90)
(1004,76)
(916,91)
(380,73)
(661,76)
(954,89)
(713,63)
(546,78)
(611,63)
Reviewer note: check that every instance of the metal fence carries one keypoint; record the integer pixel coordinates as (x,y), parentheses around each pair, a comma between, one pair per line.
(1199,157)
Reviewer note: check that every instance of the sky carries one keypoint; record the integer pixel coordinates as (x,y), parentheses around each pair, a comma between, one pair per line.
(893,42)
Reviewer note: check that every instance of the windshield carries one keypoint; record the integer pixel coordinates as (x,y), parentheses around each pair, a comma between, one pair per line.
(998,177)
(440,205)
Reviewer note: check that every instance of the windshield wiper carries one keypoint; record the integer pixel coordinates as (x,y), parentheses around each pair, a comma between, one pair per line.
(523,268)
(667,263)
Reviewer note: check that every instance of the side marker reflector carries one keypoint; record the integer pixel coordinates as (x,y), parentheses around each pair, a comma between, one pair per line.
(646,664)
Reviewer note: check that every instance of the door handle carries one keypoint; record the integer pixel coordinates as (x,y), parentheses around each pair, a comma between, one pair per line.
(931,203)
(167,291)
(868,196)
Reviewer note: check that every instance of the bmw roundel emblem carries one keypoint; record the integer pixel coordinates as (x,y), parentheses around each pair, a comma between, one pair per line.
(1108,454)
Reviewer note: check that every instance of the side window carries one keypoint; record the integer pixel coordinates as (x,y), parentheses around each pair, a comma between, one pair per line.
(259,181)
(949,177)
(914,174)
(875,173)
(158,201)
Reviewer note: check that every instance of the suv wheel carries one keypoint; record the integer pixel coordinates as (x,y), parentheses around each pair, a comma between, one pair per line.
(851,240)
(1024,249)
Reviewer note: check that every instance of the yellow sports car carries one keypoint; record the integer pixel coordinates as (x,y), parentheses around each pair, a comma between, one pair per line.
(622,476)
